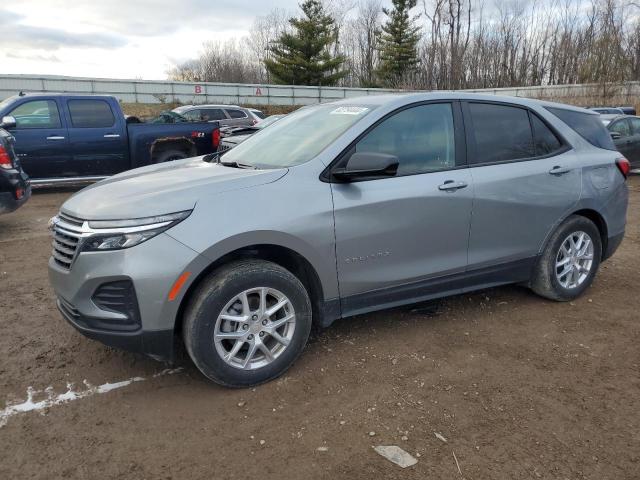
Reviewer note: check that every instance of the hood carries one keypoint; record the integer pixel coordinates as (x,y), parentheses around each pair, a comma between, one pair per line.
(163,188)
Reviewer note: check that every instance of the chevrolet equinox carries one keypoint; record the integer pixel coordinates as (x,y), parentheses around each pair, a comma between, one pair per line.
(338,209)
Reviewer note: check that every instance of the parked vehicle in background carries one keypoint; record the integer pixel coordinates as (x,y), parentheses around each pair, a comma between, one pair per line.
(64,138)
(257,114)
(625,132)
(232,136)
(608,110)
(169,116)
(406,198)
(628,110)
(226,115)
(15,188)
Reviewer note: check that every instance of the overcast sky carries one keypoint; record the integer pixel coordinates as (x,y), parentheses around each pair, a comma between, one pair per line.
(118,38)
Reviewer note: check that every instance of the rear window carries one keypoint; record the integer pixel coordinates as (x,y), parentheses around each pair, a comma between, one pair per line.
(258,114)
(91,114)
(587,125)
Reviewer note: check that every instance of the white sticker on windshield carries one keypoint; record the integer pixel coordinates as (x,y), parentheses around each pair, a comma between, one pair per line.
(349,110)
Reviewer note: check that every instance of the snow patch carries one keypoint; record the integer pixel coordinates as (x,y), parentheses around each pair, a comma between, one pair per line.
(70,395)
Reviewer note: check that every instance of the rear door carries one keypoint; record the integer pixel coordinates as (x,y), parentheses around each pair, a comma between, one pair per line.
(395,235)
(97,134)
(525,178)
(42,142)
(214,115)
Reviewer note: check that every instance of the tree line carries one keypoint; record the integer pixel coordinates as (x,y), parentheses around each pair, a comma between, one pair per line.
(431,44)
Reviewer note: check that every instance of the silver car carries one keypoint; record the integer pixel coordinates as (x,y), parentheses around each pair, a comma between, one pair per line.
(336,210)
(226,115)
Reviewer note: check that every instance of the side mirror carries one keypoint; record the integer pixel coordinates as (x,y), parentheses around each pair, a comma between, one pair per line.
(367,164)
(616,135)
(8,122)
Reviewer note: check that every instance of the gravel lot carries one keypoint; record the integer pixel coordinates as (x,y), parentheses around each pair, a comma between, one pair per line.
(520,387)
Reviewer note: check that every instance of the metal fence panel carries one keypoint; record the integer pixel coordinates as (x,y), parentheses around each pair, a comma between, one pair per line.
(141,91)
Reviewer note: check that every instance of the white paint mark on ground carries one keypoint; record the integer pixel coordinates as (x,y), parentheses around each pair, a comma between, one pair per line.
(70,395)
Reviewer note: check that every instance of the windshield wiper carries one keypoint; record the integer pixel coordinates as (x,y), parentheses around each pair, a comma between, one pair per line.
(236,165)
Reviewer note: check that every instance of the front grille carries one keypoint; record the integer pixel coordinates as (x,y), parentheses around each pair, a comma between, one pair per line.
(67,233)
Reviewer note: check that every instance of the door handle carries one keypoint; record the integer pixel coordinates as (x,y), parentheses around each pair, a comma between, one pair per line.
(450,186)
(112,135)
(558,170)
(55,137)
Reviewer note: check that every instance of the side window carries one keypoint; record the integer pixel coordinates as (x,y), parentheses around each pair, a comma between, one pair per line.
(622,127)
(37,114)
(91,114)
(635,125)
(546,142)
(213,114)
(501,133)
(192,115)
(421,137)
(236,114)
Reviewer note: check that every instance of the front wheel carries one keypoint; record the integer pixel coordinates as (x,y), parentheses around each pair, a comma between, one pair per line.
(570,260)
(247,323)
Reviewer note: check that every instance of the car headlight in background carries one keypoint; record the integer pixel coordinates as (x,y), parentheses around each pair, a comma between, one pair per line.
(119,234)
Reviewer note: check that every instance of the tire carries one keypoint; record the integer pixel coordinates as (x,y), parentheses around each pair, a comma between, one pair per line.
(548,281)
(170,156)
(221,293)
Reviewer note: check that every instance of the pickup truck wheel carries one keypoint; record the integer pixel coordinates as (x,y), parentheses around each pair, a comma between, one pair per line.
(170,155)
(570,260)
(247,323)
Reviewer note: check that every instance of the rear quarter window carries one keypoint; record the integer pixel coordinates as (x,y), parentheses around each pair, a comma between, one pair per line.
(587,125)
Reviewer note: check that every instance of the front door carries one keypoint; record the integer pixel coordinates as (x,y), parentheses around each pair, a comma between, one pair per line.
(634,153)
(42,141)
(625,141)
(525,179)
(395,235)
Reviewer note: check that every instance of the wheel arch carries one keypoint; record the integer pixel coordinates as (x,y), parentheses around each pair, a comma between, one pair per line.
(591,214)
(281,255)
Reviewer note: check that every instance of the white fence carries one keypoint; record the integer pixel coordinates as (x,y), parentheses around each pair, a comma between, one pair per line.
(143,91)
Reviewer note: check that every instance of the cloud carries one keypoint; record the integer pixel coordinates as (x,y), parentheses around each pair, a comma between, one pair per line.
(33,57)
(20,36)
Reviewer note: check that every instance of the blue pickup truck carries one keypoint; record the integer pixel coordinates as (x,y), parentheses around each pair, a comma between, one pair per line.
(61,138)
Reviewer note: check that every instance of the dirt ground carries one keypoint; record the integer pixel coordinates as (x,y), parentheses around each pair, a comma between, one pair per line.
(520,387)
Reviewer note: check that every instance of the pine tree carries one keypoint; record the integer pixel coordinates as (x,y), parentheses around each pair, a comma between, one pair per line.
(398,43)
(304,57)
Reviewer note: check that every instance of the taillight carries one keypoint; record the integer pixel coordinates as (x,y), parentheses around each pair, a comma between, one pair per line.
(5,159)
(624,166)
(254,121)
(19,193)
(215,138)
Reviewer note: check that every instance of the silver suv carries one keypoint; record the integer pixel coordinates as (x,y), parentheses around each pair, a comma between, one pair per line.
(336,210)
(226,115)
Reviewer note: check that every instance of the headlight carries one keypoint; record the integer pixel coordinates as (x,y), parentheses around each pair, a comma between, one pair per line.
(119,234)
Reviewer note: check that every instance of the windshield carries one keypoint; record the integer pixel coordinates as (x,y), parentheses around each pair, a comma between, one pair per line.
(268,121)
(298,137)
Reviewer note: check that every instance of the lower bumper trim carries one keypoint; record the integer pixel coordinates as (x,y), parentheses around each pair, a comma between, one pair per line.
(156,344)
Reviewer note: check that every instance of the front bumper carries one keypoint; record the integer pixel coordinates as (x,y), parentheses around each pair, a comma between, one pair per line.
(152,267)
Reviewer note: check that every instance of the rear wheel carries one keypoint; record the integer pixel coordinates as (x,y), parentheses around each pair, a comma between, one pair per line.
(170,155)
(569,261)
(247,323)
